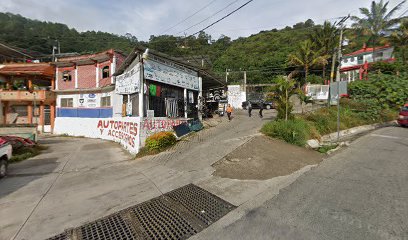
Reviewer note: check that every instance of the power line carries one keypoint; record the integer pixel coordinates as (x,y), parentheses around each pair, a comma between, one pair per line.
(185,19)
(12,49)
(231,3)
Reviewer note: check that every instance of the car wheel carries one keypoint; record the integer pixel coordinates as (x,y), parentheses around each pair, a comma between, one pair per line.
(268,107)
(3,168)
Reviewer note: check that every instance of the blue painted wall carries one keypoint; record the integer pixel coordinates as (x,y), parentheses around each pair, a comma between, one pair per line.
(85,112)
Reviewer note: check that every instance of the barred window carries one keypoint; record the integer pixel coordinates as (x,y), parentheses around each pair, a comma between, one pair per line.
(67,102)
(106,101)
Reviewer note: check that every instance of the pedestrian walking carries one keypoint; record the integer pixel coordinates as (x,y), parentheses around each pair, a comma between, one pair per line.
(249,108)
(229,112)
(261,107)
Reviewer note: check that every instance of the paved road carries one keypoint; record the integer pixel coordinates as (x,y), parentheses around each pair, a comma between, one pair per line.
(360,193)
(79,180)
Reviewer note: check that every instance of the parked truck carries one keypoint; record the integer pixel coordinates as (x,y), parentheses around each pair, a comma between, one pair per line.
(5,156)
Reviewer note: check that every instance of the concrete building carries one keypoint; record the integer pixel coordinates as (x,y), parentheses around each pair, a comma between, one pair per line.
(26,95)
(355,65)
(85,85)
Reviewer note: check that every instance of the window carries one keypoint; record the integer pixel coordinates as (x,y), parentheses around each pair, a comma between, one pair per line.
(67,102)
(66,76)
(345,60)
(106,101)
(352,59)
(360,59)
(105,72)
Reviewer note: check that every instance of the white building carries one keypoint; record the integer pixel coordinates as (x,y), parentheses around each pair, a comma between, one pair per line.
(355,65)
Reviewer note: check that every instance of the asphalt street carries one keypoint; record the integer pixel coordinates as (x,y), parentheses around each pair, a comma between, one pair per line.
(359,193)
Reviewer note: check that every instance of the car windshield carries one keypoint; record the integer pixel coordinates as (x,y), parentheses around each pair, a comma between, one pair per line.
(404,109)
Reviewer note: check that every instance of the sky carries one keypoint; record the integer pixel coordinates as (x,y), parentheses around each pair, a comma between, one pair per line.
(143,18)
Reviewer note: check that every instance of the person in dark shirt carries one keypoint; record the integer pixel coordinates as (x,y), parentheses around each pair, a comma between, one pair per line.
(249,109)
(261,107)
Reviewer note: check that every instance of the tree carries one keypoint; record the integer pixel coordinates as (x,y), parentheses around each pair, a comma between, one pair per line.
(400,39)
(325,41)
(376,20)
(281,93)
(306,57)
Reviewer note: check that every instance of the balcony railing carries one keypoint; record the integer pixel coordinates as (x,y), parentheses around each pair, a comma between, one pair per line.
(22,95)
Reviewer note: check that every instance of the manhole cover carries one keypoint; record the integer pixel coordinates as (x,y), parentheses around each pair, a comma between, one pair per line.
(178,214)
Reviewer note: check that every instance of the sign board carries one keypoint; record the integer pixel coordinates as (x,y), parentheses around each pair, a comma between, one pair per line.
(129,81)
(337,89)
(171,73)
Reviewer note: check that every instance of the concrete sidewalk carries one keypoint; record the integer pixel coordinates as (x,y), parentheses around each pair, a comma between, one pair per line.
(78,180)
(359,193)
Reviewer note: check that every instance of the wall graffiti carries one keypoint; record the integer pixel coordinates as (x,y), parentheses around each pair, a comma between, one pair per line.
(149,126)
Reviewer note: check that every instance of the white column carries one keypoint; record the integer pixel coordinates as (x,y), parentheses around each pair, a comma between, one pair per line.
(113,68)
(200,100)
(76,76)
(185,102)
(97,74)
(56,78)
(141,92)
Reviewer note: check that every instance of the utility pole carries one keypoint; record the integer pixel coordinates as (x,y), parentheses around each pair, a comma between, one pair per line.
(226,75)
(339,58)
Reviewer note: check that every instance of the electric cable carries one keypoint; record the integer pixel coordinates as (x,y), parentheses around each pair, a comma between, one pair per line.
(185,19)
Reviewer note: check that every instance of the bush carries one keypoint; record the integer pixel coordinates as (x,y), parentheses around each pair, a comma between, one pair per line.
(160,141)
(295,131)
(386,91)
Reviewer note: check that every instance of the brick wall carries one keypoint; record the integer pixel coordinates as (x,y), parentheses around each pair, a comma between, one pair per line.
(63,85)
(86,76)
(104,81)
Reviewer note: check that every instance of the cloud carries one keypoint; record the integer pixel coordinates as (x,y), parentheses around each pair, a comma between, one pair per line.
(145,18)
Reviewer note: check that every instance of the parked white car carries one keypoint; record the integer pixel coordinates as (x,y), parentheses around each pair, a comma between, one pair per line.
(5,156)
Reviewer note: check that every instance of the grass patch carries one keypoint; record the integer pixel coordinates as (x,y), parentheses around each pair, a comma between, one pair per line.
(295,131)
(323,121)
(24,153)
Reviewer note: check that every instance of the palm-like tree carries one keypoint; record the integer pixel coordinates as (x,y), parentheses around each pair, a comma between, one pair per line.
(400,39)
(325,41)
(306,57)
(281,92)
(376,20)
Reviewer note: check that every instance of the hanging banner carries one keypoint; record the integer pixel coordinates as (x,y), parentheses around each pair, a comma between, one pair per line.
(129,81)
(171,73)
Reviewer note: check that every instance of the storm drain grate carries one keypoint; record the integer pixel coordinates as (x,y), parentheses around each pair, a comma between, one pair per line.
(204,205)
(158,219)
(62,236)
(109,228)
(178,214)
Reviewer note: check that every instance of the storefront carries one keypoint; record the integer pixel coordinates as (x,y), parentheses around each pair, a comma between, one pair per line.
(162,91)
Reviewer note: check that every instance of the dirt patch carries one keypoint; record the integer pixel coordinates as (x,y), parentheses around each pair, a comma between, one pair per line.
(264,158)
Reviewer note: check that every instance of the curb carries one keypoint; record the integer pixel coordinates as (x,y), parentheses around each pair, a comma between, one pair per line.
(332,137)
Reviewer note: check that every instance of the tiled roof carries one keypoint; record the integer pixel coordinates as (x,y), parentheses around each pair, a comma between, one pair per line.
(39,69)
(366,50)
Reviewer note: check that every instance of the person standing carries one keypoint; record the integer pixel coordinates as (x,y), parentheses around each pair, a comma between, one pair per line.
(229,112)
(261,107)
(249,108)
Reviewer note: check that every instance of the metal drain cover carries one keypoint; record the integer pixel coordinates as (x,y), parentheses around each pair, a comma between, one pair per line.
(178,214)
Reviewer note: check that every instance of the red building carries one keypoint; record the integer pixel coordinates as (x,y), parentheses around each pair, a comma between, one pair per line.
(85,86)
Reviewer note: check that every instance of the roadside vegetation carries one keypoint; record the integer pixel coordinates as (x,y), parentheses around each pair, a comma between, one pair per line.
(157,143)
(24,153)
(373,101)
